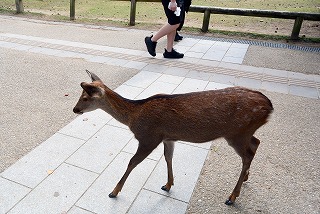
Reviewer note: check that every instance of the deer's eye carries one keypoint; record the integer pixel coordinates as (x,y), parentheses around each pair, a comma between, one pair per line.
(85,99)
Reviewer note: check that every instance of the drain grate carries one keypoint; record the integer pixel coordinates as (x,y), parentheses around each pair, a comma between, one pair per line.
(259,43)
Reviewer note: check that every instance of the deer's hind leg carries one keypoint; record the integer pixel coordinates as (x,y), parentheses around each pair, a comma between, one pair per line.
(168,154)
(246,148)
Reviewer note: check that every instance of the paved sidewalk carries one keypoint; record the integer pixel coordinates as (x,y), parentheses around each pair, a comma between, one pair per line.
(206,60)
(75,169)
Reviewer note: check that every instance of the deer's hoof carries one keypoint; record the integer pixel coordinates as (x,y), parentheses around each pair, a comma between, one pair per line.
(111,195)
(165,188)
(228,202)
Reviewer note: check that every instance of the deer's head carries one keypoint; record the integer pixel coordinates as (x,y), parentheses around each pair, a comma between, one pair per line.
(91,96)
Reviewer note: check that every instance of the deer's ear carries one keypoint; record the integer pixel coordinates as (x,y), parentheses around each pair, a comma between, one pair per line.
(92,90)
(93,76)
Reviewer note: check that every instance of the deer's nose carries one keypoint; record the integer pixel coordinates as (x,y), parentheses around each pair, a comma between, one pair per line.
(77,111)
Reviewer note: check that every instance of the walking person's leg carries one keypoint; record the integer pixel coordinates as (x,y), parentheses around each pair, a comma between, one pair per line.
(182,17)
(168,29)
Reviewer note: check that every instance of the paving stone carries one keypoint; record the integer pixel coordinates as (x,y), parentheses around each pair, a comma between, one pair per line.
(4,44)
(36,50)
(221,46)
(199,48)
(96,198)
(206,42)
(249,83)
(275,72)
(275,87)
(34,167)
(135,65)
(22,47)
(134,52)
(189,42)
(229,65)
(66,54)
(181,72)
(316,78)
(132,147)
(211,63)
(99,59)
(186,170)
(157,87)
(115,123)
(129,92)
(295,75)
(251,69)
(50,51)
(191,85)
(194,54)
(10,194)
(235,60)
(199,75)
(157,68)
(216,55)
(181,49)
(215,86)
(117,62)
(87,124)
(77,210)
(149,202)
(236,52)
(240,46)
(58,192)
(171,79)
(143,79)
(303,91)
(222,78)
(96,154)
(206,145)
(190,60)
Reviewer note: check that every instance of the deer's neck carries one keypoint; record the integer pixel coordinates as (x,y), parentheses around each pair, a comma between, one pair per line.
(118,107)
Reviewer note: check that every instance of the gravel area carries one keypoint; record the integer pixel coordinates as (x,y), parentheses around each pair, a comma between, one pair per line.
(283,59)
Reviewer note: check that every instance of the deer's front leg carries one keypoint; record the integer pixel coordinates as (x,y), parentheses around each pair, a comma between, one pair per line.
(143,151)
(168,154)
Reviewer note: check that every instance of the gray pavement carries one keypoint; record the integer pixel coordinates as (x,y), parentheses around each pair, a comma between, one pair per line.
(55,162)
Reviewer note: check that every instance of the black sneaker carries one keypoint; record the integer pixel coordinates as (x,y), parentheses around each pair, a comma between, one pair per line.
(178,37)
(151,46)
(173,54)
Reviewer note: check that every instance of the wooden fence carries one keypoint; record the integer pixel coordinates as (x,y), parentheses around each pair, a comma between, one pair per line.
(207,10)
(19,6)
(297,16)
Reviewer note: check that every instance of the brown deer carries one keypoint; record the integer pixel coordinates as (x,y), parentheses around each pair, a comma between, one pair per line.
(233,113)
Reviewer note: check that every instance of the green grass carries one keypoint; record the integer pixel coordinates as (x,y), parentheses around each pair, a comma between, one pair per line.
(150,14)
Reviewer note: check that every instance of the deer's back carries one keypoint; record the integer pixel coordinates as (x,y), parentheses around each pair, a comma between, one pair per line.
(202,116)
